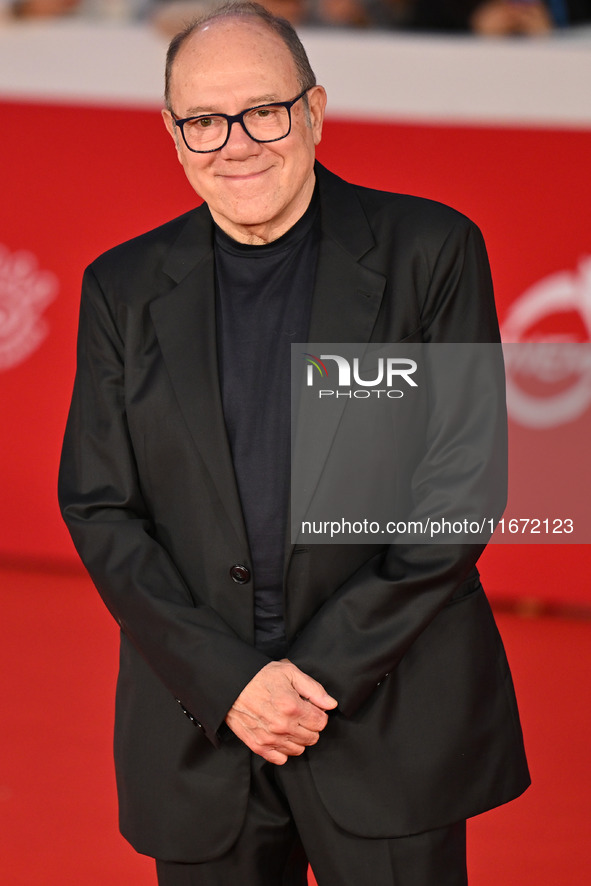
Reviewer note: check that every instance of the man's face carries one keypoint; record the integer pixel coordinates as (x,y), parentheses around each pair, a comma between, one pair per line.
(255,192)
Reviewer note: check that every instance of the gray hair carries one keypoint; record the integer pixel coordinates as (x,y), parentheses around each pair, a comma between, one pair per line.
(243,9)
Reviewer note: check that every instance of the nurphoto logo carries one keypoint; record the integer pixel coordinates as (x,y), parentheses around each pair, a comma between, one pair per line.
(344,373)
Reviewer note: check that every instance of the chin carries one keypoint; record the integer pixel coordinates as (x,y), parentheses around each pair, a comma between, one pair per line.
(251,214)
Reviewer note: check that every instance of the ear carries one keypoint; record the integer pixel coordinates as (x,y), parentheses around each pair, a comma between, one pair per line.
(172,131)
(317,105)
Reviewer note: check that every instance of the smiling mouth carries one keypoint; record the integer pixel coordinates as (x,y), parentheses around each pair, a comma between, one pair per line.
(244,176)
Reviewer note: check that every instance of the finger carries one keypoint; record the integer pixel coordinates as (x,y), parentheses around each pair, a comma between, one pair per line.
(279,754)
(290,748)
(273,756)
(293,749)
(311,717)
(309,739)
(310,689)
(274,748)
(300,720)
(292,730)
(297,735)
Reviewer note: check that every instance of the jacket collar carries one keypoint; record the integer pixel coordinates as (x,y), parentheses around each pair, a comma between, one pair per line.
(193,244)
(343,217)
(347,294)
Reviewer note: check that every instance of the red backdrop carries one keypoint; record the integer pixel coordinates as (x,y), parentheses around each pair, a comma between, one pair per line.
(76,180)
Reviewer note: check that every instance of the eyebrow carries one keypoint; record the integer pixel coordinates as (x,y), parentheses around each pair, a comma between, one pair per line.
(252,103)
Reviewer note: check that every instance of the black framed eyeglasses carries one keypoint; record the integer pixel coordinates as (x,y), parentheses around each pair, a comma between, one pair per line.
(263,123)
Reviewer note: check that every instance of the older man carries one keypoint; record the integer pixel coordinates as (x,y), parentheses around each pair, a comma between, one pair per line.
(349,705)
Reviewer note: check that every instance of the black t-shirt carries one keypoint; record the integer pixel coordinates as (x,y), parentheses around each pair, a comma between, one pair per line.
(264,296)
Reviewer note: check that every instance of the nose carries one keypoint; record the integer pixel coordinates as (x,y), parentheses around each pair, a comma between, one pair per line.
(239,143)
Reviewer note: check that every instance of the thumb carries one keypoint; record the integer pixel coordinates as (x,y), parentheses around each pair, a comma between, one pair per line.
(310,689)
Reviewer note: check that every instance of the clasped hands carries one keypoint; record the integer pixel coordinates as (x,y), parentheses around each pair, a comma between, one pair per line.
(281,712)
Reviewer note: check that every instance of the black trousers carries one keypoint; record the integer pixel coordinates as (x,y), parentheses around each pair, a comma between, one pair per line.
(287,825)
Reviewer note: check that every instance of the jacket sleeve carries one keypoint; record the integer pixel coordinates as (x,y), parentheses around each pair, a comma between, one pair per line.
(364,628)
(195,653)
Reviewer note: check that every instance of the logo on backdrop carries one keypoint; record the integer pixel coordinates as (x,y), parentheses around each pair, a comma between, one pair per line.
(25,292)
(549,371)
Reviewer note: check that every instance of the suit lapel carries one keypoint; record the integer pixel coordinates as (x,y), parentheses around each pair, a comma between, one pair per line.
(347,295)
(347,298)
(184,320)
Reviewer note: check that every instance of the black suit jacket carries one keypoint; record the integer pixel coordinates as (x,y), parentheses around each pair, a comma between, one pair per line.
(427,729)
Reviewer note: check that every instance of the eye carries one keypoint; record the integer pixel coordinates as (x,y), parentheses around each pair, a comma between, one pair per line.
(204,122)
(265,113)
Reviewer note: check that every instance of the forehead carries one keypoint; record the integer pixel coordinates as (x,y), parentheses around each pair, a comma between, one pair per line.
(232,59)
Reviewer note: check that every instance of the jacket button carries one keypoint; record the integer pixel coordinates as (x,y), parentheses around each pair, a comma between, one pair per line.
(240,574)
